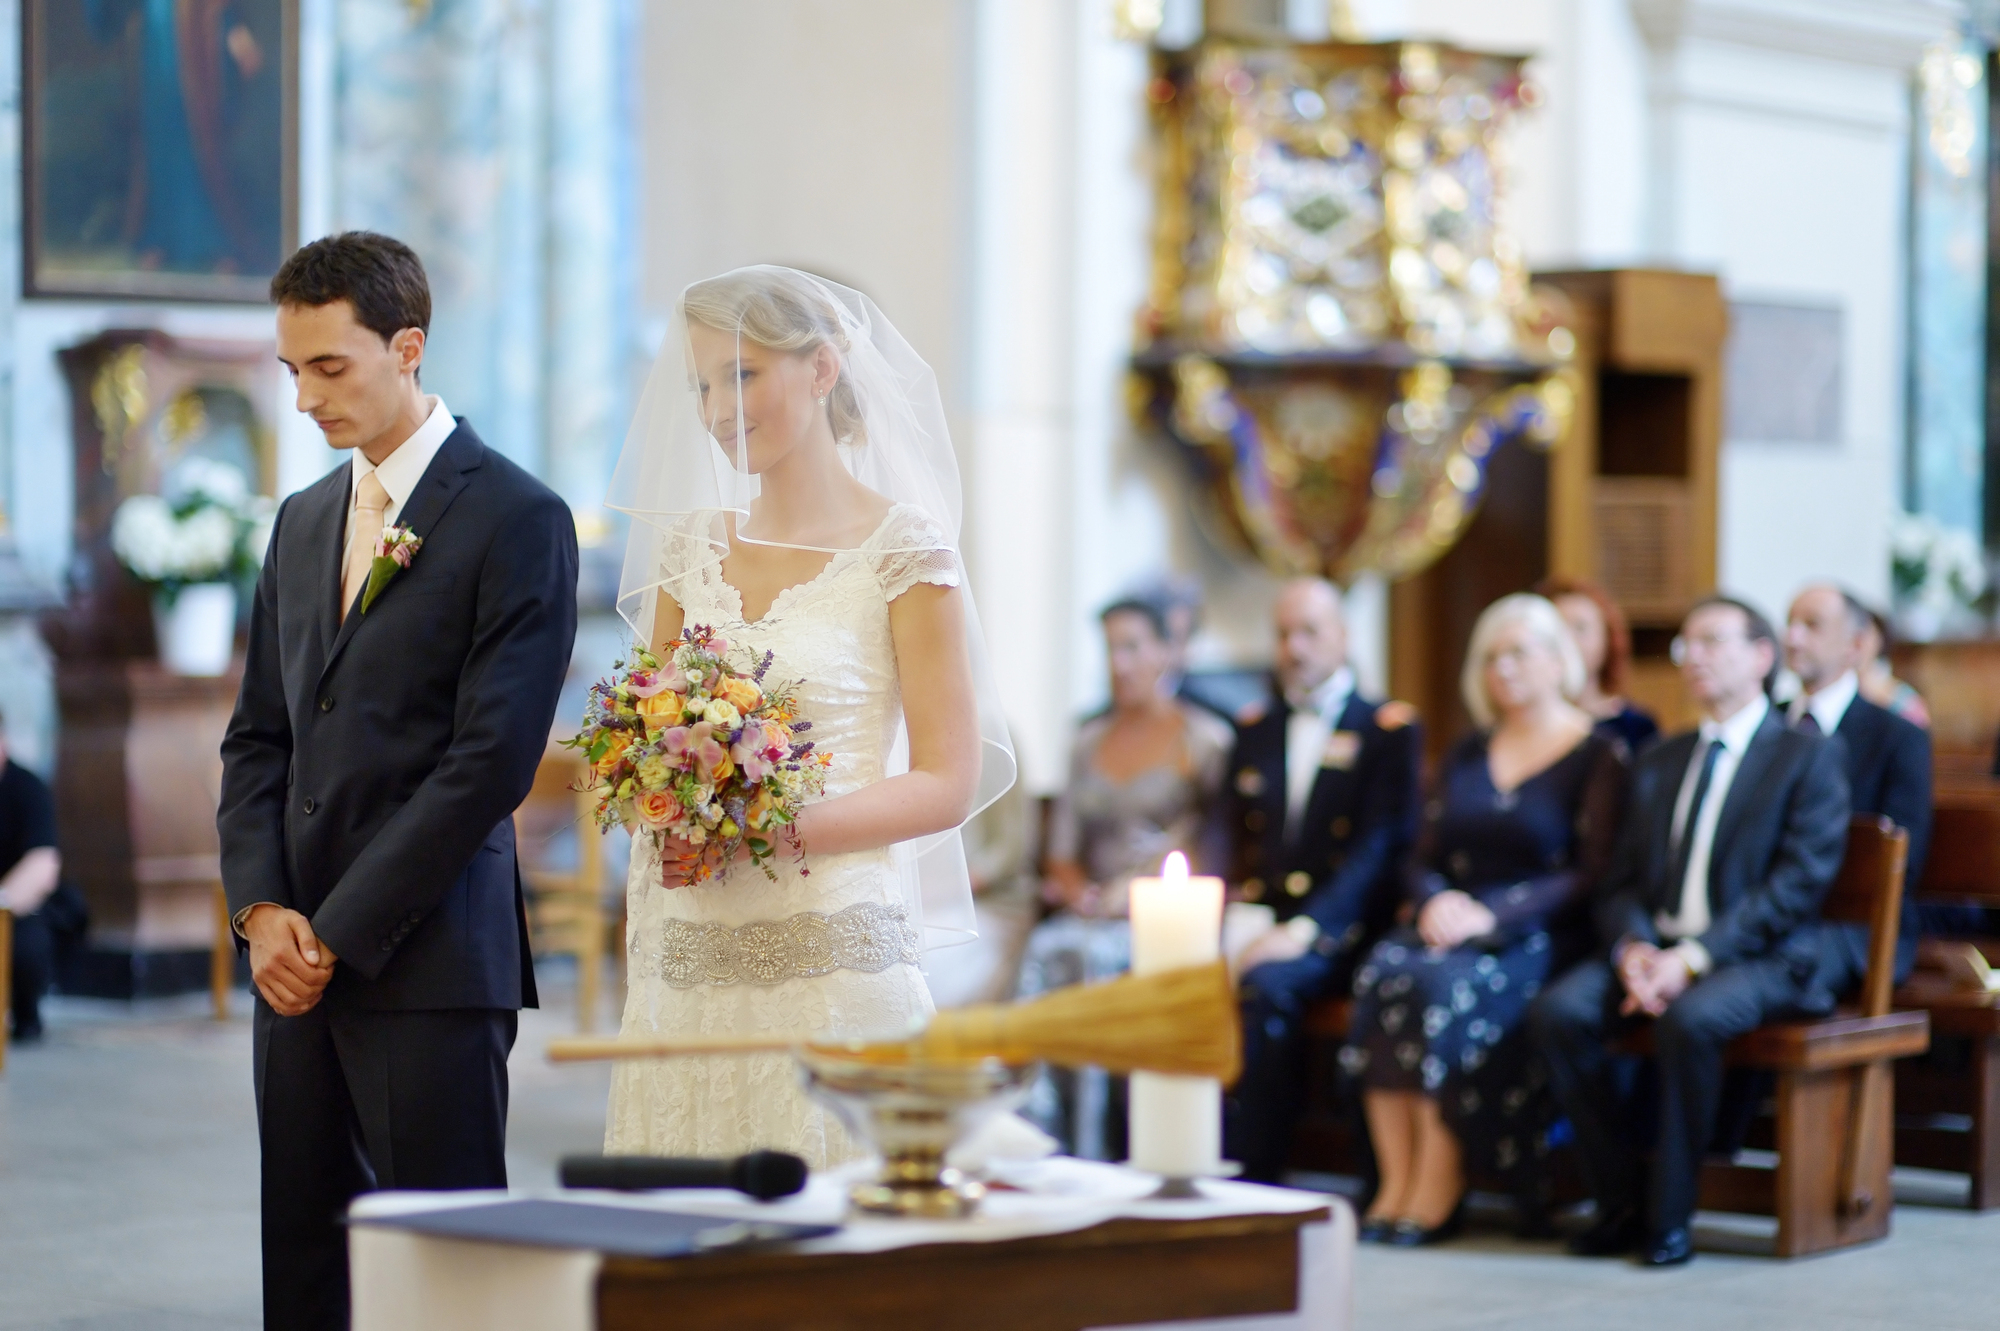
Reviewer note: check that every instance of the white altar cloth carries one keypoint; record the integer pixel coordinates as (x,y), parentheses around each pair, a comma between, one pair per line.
(406,1280)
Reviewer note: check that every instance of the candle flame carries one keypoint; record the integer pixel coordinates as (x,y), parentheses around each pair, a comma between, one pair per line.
(1175,870)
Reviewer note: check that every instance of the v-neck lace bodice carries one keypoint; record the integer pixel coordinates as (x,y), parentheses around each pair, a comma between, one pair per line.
(821,950)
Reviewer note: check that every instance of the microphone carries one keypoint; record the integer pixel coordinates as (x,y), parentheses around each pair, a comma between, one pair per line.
(762,1174)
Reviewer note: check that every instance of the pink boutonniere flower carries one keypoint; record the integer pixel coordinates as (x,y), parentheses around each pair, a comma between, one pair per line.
(393,552)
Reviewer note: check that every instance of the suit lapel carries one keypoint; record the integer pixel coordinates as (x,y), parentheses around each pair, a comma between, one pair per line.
(1747,785)
(326,537)
(460,455)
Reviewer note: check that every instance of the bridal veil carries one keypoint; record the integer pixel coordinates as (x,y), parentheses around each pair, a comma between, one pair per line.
(675,479)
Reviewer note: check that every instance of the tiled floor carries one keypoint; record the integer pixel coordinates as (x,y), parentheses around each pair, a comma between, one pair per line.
(128,1199)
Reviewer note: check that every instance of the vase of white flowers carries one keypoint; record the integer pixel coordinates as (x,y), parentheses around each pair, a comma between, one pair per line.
(191,545)
(1939,574)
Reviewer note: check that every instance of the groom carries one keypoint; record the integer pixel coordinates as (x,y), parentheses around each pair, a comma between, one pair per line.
(391,718)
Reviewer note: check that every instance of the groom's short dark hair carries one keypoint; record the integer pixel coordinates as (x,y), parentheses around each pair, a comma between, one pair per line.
(380,276)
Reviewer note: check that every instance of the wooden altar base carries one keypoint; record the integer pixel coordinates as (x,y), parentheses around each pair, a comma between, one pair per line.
(1119,1273)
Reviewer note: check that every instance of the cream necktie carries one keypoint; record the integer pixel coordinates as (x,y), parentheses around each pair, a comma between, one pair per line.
(371,501)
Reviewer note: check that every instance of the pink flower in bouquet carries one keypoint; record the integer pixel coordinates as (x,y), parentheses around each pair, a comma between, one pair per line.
(656,808)
(677,747)
(759,748)
(710,758)
(645,683)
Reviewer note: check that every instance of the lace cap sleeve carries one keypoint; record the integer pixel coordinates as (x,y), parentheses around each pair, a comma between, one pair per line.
(910,549)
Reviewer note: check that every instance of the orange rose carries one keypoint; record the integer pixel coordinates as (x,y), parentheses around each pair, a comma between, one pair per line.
(661,710)
(655,808)
(615,747)
(743,694)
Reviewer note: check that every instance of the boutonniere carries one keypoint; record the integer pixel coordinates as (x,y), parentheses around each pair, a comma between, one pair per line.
(393,553)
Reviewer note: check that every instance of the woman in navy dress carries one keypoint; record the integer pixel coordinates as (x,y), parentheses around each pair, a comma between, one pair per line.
(1520,826)
(1604,640)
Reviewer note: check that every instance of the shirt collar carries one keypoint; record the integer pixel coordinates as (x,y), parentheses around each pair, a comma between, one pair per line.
(1830,704)
(1735,733)
(402,469)
(1330,698)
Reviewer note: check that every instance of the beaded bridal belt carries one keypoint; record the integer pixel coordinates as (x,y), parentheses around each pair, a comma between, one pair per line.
(867,936)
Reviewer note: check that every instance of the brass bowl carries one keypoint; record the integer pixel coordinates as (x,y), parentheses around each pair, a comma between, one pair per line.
(913,1111)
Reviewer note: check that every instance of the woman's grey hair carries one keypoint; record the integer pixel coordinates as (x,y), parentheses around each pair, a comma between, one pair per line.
(1539,616)
(787,312)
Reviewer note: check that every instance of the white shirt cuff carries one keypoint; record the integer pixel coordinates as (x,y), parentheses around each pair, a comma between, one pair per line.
(237,920)
(1694,955)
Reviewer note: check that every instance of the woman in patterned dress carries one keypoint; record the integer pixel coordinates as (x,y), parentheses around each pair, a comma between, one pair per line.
(1520,826)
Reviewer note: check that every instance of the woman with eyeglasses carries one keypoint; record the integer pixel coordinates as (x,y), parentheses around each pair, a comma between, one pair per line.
(1518,829)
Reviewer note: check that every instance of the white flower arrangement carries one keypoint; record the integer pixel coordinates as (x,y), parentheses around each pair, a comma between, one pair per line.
(1935,567)
(209,527)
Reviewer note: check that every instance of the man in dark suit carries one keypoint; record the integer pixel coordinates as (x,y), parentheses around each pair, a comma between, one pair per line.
(1888,759)
(391,718)
(1732,836)
(1322,807)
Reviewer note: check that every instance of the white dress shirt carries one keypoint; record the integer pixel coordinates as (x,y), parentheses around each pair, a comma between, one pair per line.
(1307,730)
(1692,919)
(400,471)
(1827,706)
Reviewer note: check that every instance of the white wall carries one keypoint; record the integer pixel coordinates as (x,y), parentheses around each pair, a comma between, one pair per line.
(815,133)
(1780,162)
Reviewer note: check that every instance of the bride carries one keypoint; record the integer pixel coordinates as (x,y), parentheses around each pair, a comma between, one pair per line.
(793,487)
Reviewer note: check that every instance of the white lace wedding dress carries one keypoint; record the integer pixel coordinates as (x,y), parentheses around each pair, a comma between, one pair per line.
(828,950)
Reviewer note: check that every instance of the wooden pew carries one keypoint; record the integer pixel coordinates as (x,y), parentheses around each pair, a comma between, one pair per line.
(565,896)
(1948,1113)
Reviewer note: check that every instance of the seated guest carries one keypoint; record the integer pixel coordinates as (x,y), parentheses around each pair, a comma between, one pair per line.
(1708,917)
(1519,827)
(1177,600)
(1879,683)
(47,914)
(1322,808)
(1143,779)
(1888,758)
(1605,640)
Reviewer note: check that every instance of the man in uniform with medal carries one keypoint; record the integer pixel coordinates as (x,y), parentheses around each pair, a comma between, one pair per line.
(1322,809)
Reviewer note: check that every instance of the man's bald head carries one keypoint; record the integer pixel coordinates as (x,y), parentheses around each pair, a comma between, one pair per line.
(1311,634)
(1823,634)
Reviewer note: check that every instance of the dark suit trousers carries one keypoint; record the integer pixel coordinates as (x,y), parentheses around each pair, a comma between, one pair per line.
(351,1101)
(1573,1021)
(1263,1107)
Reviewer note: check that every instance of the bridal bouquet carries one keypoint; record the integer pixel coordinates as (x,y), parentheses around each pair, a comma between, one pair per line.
(702,749)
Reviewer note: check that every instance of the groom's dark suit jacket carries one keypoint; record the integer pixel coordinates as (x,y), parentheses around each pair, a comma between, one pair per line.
(372,766)
(1779,841)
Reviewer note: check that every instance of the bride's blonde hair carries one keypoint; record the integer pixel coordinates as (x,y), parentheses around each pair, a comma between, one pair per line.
(787,312)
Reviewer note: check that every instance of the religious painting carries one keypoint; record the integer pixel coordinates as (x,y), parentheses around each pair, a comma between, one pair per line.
(159,147)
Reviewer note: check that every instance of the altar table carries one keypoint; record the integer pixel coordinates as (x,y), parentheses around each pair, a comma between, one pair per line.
(1078,1246)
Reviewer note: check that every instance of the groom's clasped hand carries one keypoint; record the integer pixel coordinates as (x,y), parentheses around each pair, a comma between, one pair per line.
(288,963)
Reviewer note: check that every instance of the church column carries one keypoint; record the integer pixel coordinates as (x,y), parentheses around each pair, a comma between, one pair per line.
(1018,472)
(592,292)
(441,141)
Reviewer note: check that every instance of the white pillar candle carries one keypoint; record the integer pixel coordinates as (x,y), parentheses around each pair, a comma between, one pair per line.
(1175,1122)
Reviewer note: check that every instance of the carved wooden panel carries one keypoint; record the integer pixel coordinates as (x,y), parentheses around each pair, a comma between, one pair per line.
(1642,545)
